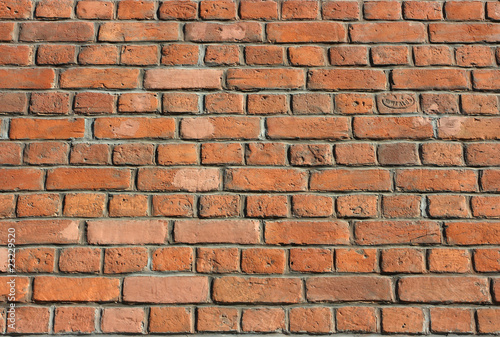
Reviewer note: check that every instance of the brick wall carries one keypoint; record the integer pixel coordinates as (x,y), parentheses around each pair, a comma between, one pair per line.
(250,166)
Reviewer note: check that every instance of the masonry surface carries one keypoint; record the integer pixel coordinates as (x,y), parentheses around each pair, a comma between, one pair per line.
(295,167)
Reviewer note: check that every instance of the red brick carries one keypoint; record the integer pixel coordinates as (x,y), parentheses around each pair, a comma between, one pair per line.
(138,102)
(442,154)
(454,320)
(305,104)
(391,32)
(382,10)
(116,232)
(134,9)
(298,10)
(403,260)
(98,54)
(266,154)
(224,103)
(95,10)
(50,103)
(54,9)
(166,79)
(133,154)
(173,259)
(34,78)
(403,320)
(56,32)
(311,320)
(22,289)
(7,207)
(349,56)
(356,260)
(475,56)
(346,79)
(473,104)
(89,154)
(298,32)
(222,153)
(15,9)
(351,180)
(487,320)
(264,55)
(179,54)
(439,103)
(128,205)
(422,10)
(89,103)
(118,320)
(76,289)
(267,104)
(35,260)
(473,233)
(21,179)
(355,154)
(430,79)
(462,289)
(354,103)
(74,319)
(234,289)
(463,32)
(447,206)
(332,128)
(141,55)
(218,206)
(263,261)
(265,179)
(493,10)
(434,180)
(80,260)
(125,260)
(375,232)
(222,55)
(217,319)
(464,10)
(38,205)
(311,206)
(432,55)
(138,31)
(486,206)
(449,260)
(398,154)
(311,260)
(217,231)
(357,206)
(178,179)
(170,319)
(258,9)
(401,206)
(46,153)
(76,178)
(31,320)
(217,260)
(349,289)
(356,319)
(134,128)
(263,320)
(42,231)
(179,103)
(56,54)
(177,154)
(109,78)
(312,56)
(266,206)
(306,232)
(466,128)
(7,31)
(170,289)
(341,10)
(13,102)
(389,55)
(218,10)
(182,10)
(19,55)
(217,32)
(272,78)
(173,205)
(487,260)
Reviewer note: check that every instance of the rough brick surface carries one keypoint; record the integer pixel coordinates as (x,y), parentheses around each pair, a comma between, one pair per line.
(283,167)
